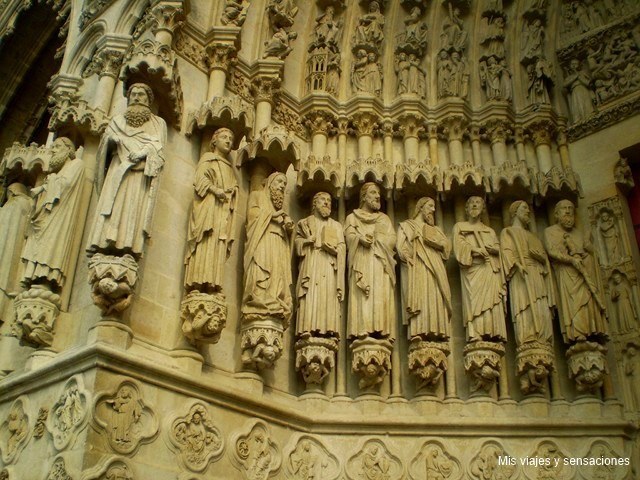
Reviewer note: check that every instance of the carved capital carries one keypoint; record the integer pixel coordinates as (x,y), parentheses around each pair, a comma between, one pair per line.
(541,132)
(343,126)
(482,364)
(365,123)
(167,16)
(411,126)
(455,128)
(587,363)
(105,62)
(220,56)
(265,88)
(319,122)
(562,136)
(432,131)
(498,131)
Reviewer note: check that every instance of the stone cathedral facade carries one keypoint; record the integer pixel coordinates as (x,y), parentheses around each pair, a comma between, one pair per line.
(319,239)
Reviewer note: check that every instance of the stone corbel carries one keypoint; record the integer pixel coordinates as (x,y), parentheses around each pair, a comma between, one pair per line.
(587,364)
(534,363)
(371,361)
(428,362)
(315,358)
(482,364)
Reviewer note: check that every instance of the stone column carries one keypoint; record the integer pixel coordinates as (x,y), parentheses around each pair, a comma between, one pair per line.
(265,88)
(410,127)
(318,123)
(220,56)
(168,16)
(454,129)
(563,148)
(478,158)
(106,63)
(541,134)
(365,123)
(498,132)
(432,132)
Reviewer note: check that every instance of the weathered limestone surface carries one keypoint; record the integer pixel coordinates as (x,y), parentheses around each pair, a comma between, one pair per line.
(326,239)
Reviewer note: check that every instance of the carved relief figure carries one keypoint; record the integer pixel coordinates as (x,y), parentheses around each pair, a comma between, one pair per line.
(234,13)
(609,237)
(527,269)
(370,242)
(134,144)
(624,309)
(423,249)
(495,78)
(358,71)
(415,30)
(267,267)
(533,43)
(125,414)
(631,366)
(372,75)
(320,290)
(438,466)
(477,250)
(48,248)
(417,77)
(328,29)
(68,412)
(17,429)
(581,308)
(197,438)
(370,26)
(444,71)
(453,36)
(578,85)
(306,463)
(539,74)
(281,12)
(212,221)
(333,72)
(279,45)
(14,216)
(402,71)
(375,465)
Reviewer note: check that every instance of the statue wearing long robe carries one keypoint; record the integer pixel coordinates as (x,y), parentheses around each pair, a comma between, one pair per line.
(211,224)
(483,288)
(423,249)
(267,260)
(580,306)
(49,246)
(530,293)
(320,287)
(14,217)
(372,274)
(127,198)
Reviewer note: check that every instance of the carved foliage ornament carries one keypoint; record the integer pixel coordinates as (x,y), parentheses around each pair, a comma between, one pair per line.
(255,453)
(14,430)
(41,423)
(58,470)
(69,414)
(125,418)
(195,439)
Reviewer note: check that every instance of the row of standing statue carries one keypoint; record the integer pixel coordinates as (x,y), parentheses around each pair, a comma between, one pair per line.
(133,147)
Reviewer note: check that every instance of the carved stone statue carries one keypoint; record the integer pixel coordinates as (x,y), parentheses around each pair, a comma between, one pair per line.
(212,221)
(453,36)
(281,13)
(48,248)
(526,267)
(370,27)
(423,248)
(328,30)
(320,290)
(279,45)
(609,238)
(234,13)
(134,144)
(581,97)
(622,302)
(539,74)
(631,366)
(533,40)
(14,216)
(477,250)
(580,306)
(267,264)
(417,82)
(402,71)
(358,71)
(528,272)
(372,75)
(495,79)
(415,31)
(623,175)
(370,242)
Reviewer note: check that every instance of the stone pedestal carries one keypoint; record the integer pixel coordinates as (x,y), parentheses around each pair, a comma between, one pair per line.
(482,364)
(112,280)
(261,342)
(315,358)
(36,313)
(428,361)
(203,317)
(371,361)
(587,365)
(534,363)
